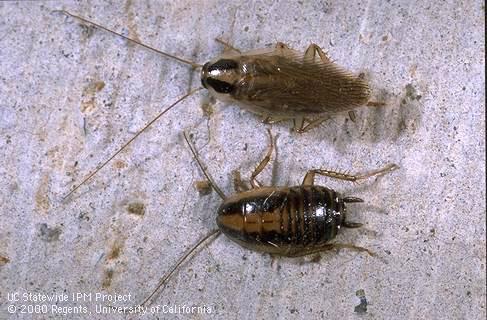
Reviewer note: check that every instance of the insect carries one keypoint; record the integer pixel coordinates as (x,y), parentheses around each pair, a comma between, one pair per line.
(285,221)
(276,83)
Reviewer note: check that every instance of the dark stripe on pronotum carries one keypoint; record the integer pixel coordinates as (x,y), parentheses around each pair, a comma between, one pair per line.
(220,86)
(223,64)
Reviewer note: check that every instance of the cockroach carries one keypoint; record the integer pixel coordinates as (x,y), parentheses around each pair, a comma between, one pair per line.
(284,221)
(276,83)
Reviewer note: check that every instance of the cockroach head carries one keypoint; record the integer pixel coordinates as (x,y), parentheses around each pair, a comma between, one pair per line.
(220,76)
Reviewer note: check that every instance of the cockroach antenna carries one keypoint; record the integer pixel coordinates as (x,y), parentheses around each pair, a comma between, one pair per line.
(193,64)
(128,142)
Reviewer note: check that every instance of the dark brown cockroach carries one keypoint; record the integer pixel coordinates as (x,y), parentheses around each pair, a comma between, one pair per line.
(276,83)
(284,221)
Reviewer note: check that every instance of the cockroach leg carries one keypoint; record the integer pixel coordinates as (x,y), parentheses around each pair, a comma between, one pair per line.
(310,54)
(352,115)
(302,125)
(283,49)
(228,47)
(330,246)
(352,225)
(313,124)
(238,183)
(273,119)
(352,199)
(281,45)
(339,246)
(375,104)
(263,163)
(309,178)
(298,124)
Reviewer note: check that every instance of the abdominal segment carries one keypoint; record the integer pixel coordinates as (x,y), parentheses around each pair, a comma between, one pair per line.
(281,220)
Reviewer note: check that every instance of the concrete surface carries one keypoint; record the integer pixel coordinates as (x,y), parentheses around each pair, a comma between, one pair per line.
(71,95)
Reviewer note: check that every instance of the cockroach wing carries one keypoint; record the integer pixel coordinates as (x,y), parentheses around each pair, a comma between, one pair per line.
(290,86)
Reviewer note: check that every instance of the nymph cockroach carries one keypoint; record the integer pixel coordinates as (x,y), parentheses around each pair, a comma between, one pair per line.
(277,83)
(284,221)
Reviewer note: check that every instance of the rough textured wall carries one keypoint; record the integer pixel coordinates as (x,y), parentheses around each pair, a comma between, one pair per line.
(70,95)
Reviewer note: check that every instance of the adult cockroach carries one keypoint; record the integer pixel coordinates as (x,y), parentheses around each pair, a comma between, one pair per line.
(284,221)
(276,83)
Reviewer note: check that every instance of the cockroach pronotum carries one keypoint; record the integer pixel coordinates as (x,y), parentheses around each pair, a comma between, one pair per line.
(276,83)
(284,221)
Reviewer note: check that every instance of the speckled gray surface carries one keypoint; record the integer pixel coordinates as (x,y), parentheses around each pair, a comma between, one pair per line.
(70,96)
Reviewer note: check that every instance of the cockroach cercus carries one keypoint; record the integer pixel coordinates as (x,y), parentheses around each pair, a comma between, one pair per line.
(276,83)
(285,221)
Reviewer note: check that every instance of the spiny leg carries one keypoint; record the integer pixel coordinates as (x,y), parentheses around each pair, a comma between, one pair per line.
(228,47)
(312,124)
(310,54)
(298,124)
(238,183)
(282,45)
(351,247)
(253,181)
(352,115)
(375,104)
(351,225)
(273,119)
(309,178)
(330,246)
(283,49)
(208,103)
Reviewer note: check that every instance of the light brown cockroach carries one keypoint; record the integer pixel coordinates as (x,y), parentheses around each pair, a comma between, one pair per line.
(284,221)
(277,83)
